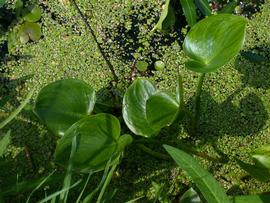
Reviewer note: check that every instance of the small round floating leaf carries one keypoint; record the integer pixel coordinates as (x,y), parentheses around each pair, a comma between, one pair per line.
(214,41)
(134,107)
(97,142)
(33,14)
(159,65)
(161,110)
(29,31)
(142,66)
(62,103)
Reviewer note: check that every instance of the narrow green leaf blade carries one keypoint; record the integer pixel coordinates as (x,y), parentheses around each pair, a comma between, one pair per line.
(189,10)
(161,110)
(4,142)
(98,138)
(134,107)
(64,102)
(206,183)
(229,8)
(204,7)
(167,18)
(214,41)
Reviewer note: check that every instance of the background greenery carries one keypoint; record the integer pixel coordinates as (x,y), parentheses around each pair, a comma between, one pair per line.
(235,104)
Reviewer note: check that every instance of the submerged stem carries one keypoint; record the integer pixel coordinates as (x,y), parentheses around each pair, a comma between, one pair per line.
(197,102)
(95,38)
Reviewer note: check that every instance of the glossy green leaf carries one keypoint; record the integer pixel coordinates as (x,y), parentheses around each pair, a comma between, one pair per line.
(214,41)
(134,107)
(263,198)
(142,66)
(64,102)
(29,31)
(189,10)
(204,7)
(190,196)
(167,18)
(4,142)
(262,156)
(161,110)
(206,183)
(255,170)
(98,137)
(33,14)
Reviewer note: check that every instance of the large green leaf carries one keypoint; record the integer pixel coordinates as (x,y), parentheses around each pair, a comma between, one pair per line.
(161,110)
(263,198)
(64,102)
(214,41)
(98,137)
(134,107)
(189,10)
(206,183)
(167,17)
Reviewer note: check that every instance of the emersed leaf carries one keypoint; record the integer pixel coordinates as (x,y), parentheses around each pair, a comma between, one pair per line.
(204,7)
(261,198)
(161,110)
(229,8)
(134,107)
(261,169)
(64,102)
(33,14)
(29,31)
(98,139)
(4,142)
(262,156)
(206,183)
(190,196)
(189,10)
(256,170)
(214,41)
(167,18)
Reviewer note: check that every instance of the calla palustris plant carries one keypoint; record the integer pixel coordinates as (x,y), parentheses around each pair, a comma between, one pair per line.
(214,41)
(65,107)
(146,110)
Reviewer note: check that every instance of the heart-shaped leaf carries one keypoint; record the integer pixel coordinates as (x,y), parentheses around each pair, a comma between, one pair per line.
(161,110)
(29,31)
(62,103)
(134,107)
(98,140)
(207,184)
(167,18)
(33,14)
(214,41)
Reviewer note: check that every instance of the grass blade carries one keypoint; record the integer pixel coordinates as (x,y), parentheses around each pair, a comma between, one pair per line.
(18,110)
(206,183)
(59,192)
(41,183)
(87,180)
